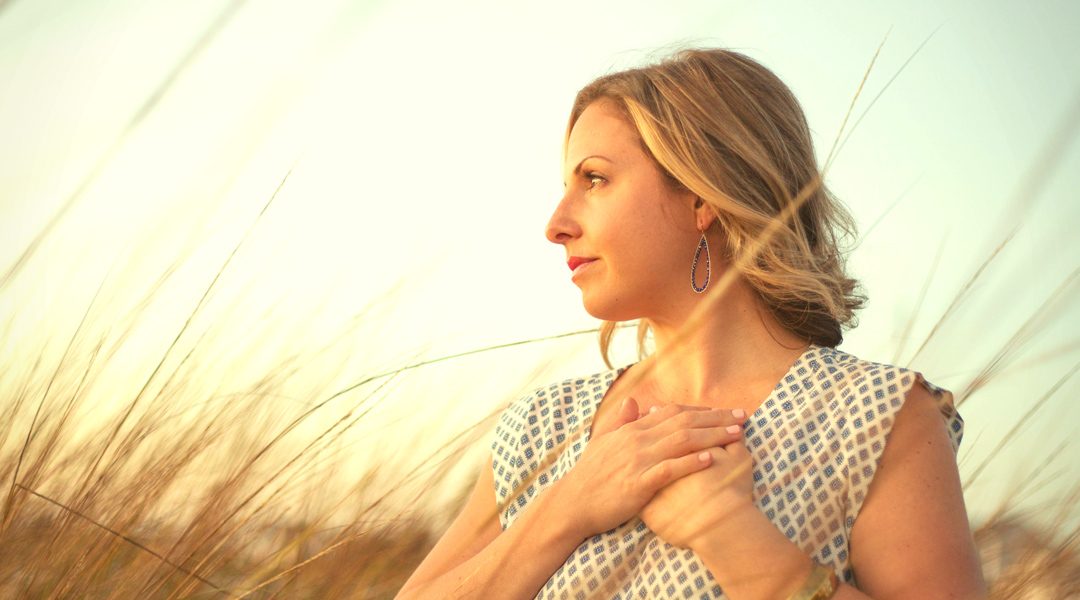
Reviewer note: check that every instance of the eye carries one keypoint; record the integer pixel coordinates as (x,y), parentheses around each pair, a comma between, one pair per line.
(591,175)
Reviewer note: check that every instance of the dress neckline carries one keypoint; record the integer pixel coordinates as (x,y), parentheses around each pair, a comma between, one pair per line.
(596,400)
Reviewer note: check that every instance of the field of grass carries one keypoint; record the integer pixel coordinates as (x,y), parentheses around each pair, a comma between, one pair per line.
(260,467)
(172,492)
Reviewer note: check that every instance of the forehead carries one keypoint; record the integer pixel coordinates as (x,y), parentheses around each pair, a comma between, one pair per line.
(601,129)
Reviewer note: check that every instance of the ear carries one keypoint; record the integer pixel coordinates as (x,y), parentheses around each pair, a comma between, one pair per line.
(704,216)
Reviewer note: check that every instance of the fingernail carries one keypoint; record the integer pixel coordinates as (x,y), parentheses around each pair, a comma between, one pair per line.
(703,457)
(733,428)
(738,413)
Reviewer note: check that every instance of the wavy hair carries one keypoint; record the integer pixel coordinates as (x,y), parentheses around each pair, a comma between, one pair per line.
(723,126)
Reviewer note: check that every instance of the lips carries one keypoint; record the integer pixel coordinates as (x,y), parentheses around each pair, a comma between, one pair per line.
(577,260)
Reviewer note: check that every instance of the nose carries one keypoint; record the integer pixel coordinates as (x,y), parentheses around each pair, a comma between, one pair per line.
(562,226)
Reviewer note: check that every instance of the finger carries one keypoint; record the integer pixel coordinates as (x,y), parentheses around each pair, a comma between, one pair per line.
(664,472)
(657,415)
(736,449)
(737,458)
(681,442)
(679,419)
(739,461)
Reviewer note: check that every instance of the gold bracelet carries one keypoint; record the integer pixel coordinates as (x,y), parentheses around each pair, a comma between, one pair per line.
(820,585)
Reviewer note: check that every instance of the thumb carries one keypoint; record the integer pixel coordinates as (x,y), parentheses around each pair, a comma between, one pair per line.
(737,451)
(628,412)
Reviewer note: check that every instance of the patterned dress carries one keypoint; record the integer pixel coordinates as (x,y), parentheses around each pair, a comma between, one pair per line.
(815,444)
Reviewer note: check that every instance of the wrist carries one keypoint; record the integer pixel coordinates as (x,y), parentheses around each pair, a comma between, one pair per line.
(725,522)
(750,557)
(565,526)
(820,584)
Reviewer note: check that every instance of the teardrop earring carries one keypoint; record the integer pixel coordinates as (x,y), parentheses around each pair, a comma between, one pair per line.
(704,243)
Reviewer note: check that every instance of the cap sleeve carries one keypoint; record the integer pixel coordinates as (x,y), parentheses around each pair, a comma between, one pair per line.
(869,420)
(514,454)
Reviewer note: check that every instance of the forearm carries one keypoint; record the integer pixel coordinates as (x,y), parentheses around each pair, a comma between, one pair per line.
(733,553)
(516,564)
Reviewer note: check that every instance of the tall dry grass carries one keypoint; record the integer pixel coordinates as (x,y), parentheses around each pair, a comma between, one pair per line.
(178,495)
(174,492)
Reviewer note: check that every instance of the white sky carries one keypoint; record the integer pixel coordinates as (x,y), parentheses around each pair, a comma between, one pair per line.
(424,141)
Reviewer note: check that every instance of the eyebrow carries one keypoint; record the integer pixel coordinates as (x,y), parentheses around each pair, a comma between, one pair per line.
(577,169)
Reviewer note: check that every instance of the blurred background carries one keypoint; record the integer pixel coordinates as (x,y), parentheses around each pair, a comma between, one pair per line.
(326,220)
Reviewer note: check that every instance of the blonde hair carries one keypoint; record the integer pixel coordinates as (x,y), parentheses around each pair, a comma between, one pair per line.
(726,128)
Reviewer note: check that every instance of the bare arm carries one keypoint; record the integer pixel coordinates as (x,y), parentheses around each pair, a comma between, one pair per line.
(912,538)
(620,470)
(475,558)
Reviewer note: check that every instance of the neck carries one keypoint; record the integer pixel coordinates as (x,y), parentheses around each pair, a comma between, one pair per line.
(734,355)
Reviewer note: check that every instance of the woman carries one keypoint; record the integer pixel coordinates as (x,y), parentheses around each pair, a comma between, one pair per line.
(745,457)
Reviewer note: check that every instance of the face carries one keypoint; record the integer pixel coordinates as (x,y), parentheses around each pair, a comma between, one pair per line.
(619,210)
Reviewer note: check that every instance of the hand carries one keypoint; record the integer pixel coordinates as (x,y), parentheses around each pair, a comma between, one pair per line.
(687,509)
(622,468)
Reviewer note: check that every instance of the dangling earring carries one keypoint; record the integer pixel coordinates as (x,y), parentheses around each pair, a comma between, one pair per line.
(704,243)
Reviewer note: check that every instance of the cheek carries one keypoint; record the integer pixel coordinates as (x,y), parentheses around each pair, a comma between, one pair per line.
(644,243)
(646,254)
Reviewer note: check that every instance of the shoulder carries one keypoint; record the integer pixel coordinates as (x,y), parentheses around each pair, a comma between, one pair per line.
(904,482)
(543,406)
(870,395)
(884,412)
(855,377)
(531,433)
(562,391)
(844,381)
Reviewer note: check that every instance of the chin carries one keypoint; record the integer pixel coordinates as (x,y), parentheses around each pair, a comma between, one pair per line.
(607,307)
